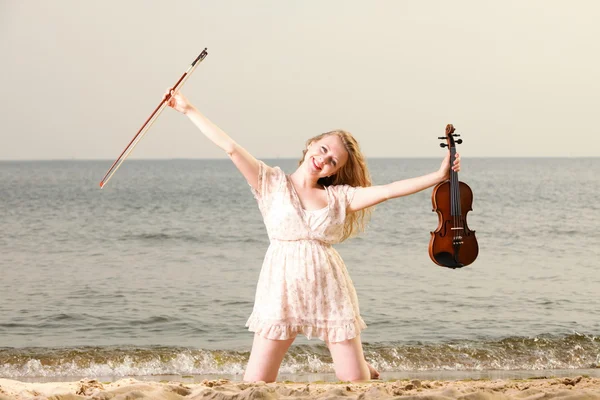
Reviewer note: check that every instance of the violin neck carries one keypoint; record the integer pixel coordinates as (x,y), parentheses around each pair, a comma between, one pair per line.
(454,186)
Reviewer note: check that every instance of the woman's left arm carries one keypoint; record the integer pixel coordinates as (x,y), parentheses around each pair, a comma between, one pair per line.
(369,196)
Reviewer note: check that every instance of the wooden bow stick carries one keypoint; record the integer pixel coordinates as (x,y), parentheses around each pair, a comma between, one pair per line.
(140,134)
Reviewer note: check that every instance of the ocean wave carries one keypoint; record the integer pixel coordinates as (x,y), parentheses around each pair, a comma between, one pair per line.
(545,352)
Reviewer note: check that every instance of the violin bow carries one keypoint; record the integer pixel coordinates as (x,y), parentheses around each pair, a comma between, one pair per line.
(142,131)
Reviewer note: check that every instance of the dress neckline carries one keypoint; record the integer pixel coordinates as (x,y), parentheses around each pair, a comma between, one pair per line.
(295,193)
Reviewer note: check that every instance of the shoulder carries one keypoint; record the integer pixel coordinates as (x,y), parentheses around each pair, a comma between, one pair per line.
(342,193)
(341,189)
(265,169)
(269,178)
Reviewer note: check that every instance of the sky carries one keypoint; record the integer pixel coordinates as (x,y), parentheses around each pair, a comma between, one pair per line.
(516,78)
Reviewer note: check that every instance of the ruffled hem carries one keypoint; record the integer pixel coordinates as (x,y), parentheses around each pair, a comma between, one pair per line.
(282,331)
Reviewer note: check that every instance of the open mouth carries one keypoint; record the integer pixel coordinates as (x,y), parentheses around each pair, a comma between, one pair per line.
(316,165)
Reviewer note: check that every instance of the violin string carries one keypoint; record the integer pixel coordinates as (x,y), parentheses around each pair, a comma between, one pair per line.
(461,221)
(457,202)
(458,211)
(453,195)
(453,206)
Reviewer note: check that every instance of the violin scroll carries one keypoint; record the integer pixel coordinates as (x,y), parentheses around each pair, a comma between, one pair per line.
(450,135)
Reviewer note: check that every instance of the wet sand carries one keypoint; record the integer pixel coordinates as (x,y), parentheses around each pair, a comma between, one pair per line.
(572,388)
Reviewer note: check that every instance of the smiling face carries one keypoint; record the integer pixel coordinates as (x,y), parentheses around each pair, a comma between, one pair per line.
(326,156)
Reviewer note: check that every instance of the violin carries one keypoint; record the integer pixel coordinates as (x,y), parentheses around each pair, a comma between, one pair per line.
(453,244)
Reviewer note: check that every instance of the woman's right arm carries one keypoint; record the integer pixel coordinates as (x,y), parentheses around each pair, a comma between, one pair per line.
(244,161)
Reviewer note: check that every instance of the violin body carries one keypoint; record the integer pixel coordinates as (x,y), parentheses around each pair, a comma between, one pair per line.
(453,244)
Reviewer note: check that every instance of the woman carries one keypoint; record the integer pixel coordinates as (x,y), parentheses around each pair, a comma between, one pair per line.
(304,286)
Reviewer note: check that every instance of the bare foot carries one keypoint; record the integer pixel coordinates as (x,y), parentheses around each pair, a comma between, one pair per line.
(373,371)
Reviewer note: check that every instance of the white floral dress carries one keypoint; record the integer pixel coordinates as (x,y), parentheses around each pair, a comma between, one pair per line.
(304,286)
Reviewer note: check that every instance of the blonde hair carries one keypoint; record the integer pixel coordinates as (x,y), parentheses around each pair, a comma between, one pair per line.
(354,173)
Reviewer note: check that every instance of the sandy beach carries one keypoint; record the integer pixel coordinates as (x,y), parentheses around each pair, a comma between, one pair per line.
(577,387)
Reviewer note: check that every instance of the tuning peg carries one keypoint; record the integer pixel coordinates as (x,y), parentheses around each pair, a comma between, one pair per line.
(443,145)
(442,138)
(455,134)
(458,141)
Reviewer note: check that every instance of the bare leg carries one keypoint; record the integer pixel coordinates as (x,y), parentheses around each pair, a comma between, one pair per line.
(265,358)
(349,361)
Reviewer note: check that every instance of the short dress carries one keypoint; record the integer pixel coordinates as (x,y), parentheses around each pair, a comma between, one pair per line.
(304,286)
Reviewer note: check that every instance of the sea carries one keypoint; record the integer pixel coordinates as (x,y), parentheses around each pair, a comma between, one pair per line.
(154,275)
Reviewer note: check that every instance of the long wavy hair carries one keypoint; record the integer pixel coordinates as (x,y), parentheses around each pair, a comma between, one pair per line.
(354,173)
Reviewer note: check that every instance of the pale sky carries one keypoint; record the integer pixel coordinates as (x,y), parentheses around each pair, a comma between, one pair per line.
(516,78)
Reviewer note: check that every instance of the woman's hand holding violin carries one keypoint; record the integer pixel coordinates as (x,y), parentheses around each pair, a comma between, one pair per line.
(445,167)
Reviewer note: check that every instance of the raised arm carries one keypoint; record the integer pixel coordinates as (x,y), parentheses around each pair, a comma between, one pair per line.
(244,161)
(369,196)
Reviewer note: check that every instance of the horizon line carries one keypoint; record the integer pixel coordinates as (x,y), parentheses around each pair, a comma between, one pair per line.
(265,158)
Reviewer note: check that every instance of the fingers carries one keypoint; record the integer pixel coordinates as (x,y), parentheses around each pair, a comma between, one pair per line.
(169,93)
(170,97)
(456,164)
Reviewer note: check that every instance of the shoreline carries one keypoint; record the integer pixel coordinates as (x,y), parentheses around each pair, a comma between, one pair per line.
(573,388)
(329,377)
